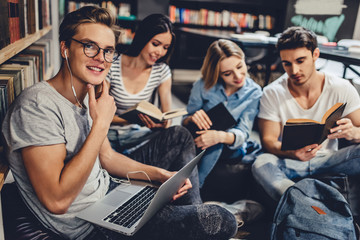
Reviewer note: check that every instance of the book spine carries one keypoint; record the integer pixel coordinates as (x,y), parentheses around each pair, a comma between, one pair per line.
(14,23)
(4,22)
(26,31)
(40,13)
(21,18)
(172,13)
(36,11)
(10,17)
(31,16)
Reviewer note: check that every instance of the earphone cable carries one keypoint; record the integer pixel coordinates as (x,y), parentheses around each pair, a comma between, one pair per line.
(72,85)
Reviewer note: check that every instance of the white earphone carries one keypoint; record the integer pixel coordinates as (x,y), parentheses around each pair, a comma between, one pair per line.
(71,78)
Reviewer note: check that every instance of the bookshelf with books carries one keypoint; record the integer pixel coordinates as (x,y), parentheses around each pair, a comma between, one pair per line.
(204,21)
(26,31)
(235,15)
(22,17)
(18,46)
(125,10)
(27,58)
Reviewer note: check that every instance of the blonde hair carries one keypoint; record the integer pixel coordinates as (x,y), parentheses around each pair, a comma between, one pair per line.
(88,14)
(218,51)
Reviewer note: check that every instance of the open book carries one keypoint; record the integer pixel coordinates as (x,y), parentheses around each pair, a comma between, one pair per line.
(149,109)
(220,117)
(299,133)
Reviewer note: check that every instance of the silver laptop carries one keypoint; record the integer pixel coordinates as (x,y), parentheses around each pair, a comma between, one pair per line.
(128,207)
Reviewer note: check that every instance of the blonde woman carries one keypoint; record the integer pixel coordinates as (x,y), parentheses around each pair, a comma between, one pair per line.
(224,79)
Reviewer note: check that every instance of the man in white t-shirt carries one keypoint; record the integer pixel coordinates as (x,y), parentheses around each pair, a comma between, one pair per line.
(304,92)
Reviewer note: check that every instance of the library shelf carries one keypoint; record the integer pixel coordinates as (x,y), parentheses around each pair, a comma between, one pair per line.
(16,47)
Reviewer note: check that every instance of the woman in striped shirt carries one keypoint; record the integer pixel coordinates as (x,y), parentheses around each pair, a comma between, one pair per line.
(139,74)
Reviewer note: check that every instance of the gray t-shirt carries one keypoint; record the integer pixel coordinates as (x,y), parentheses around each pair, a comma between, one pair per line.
(41,116)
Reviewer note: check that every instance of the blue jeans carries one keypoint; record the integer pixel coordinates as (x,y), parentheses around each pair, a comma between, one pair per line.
(245,154)
(213,155)
(275,175)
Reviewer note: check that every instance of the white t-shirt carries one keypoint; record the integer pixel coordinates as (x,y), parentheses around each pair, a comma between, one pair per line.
(278,105)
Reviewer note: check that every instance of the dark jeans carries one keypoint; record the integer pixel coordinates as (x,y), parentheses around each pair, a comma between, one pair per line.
(187,218)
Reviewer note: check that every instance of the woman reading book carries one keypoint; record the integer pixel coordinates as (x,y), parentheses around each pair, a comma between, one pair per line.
(137,75)
(224,80)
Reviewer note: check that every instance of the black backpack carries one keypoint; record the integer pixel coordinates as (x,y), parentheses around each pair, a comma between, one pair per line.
(311,209)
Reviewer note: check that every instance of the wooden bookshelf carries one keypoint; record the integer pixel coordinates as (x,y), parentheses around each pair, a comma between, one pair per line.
(5,54)
(16,47)
(235,15)
(4,168)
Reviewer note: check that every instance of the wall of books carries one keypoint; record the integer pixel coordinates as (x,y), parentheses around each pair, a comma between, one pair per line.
(125,11)
(224,18)
(23,70)
(25,52)
(19,18)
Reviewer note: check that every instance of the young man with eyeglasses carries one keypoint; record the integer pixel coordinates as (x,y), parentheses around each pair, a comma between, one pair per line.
(61,159)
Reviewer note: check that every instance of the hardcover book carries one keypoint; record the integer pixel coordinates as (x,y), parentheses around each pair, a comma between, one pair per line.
(299,133)
(37,55)
(4,24)
(31,61)
(220,117)
(25,72)
(8,84)
(14,22)
(147,108)
(17,81)
(38,51)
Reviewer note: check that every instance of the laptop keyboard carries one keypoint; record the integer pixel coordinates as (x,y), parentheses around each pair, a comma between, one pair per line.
(132,210)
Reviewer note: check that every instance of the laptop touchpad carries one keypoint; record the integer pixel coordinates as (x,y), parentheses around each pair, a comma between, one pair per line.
(115,198)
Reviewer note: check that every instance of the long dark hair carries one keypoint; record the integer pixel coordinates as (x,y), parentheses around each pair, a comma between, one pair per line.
(149,27)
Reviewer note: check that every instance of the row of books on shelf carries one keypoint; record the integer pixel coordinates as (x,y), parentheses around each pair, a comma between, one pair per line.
(23,70)
(122,10)
(225,18)
(19,18)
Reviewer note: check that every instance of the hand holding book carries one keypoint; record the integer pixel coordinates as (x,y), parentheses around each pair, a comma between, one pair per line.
(201,119)
(299,133)
(149,123)
(152,112)
(344,129)
(217,118)
(306,153)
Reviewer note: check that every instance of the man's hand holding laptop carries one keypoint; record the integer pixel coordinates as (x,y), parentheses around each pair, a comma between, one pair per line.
(183,190)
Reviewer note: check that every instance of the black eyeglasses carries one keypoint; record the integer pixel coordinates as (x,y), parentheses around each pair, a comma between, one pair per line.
(91,50)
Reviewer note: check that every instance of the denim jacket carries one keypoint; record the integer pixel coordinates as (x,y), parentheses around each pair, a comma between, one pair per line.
(243,105)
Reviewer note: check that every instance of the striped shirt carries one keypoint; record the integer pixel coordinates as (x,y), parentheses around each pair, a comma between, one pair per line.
(124,100)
